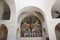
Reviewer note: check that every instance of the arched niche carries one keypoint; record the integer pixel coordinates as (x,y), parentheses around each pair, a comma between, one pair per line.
(31,11)
(55,12)
(31,27)
(3,32)
(57,31)
(4,10)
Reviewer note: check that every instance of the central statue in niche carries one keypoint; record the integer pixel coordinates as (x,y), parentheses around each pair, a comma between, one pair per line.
(31,27)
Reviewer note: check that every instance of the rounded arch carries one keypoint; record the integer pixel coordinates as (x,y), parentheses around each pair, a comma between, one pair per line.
(55,11)
(3,32)
(4,10)
(31,10)
(57,31)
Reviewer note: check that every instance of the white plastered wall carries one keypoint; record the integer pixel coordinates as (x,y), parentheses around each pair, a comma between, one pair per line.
(12,23)
(51,21)
(17,5)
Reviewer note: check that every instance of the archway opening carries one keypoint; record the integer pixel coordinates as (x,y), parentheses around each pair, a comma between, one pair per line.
(56,10)
(4,10)
(3,32)
(57,31)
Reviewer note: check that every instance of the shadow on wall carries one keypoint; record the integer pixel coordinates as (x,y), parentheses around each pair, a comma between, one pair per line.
(4,10)
(56,9)
(3,32)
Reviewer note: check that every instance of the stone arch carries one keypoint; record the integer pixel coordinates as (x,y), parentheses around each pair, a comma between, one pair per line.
(3,32)
(57,31)
(36,11)
(32,11)
(55,11)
